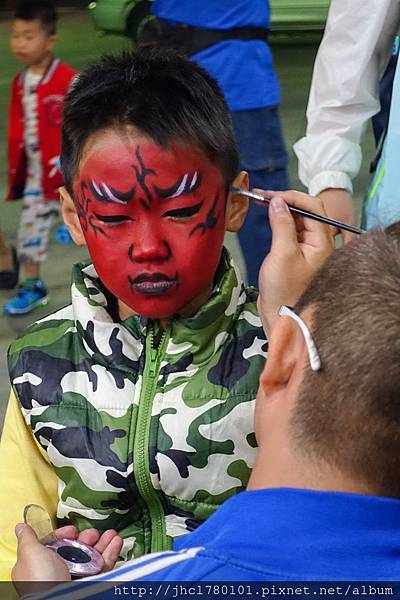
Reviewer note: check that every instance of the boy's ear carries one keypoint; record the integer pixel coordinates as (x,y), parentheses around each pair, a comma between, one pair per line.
(70,217)
(237,205)
(51,42)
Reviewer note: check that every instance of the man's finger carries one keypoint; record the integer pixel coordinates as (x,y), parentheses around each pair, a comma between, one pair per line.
(68,531)
(112,552)
(339,205)
(347,236)
(105,539)
(89,536)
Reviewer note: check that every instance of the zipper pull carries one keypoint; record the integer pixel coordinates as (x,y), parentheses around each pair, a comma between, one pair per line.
(153,361)
(151,352)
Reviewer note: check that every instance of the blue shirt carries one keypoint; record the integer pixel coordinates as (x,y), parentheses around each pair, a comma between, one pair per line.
(278,535)
(244,70)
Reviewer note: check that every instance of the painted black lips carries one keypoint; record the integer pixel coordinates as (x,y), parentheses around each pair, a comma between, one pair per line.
(152,283)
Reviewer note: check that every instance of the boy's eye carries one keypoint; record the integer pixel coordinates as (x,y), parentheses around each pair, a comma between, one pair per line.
(185,212)
(113,219)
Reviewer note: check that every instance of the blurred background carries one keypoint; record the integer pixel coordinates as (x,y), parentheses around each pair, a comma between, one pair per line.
(297,27)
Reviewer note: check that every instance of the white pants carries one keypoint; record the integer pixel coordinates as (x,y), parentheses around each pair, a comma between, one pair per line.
(36,221)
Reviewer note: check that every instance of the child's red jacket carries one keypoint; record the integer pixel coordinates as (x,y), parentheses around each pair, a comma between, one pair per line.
(51,92)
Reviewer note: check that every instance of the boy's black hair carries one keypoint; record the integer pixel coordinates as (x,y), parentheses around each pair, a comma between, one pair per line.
(42,10)
(165,96)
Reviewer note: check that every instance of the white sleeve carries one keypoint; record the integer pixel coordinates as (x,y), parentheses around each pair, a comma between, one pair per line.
(344,91)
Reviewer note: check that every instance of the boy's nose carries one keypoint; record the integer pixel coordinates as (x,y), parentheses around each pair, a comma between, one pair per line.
(149,249)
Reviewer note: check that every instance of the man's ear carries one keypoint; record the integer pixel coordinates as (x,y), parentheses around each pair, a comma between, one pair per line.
(286,354)
(70,217)
(237,205)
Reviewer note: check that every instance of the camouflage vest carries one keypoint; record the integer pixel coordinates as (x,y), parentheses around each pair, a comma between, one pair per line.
(148,441)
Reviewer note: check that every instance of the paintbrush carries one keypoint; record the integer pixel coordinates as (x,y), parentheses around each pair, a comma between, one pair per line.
(300,211)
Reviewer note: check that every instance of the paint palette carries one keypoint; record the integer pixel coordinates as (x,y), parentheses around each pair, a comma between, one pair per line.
(82,560)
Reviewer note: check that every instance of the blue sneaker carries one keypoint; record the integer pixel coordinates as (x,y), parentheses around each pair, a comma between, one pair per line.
(62,235)
(31,293)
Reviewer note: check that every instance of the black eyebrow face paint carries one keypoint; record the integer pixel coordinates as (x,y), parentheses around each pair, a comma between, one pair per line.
(187,184)
(106,193)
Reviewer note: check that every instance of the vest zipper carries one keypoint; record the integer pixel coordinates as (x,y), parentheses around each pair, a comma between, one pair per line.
(141,467)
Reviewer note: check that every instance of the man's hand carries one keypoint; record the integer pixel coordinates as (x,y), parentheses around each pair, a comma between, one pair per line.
(299,248)
(37,563)
(339,205)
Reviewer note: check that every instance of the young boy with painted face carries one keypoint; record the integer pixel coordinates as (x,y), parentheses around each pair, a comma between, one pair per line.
(136,401)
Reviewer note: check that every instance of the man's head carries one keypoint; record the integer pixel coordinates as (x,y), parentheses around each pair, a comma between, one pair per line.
(33,31)
(148,156)
(340,424)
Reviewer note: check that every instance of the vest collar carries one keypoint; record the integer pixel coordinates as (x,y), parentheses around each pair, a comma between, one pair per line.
(203,333)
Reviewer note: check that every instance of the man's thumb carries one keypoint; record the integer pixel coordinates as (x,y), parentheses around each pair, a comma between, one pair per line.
(19,528)
(25,535)
(282,224)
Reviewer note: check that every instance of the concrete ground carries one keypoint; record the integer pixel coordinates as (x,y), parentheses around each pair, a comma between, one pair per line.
(294,66)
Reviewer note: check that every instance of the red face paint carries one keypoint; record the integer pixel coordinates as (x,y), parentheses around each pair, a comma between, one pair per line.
(154,223)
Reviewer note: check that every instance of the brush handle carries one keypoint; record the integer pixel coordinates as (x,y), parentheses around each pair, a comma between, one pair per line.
(300,211)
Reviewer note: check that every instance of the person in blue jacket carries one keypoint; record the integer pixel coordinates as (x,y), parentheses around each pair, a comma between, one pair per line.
(323,501)
(229,39)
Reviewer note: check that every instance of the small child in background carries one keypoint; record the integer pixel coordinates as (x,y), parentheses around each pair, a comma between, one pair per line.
(34,139)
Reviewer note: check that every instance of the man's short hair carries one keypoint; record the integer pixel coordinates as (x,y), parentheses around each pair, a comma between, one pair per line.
(42,10)
(165,96)
(348,414)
